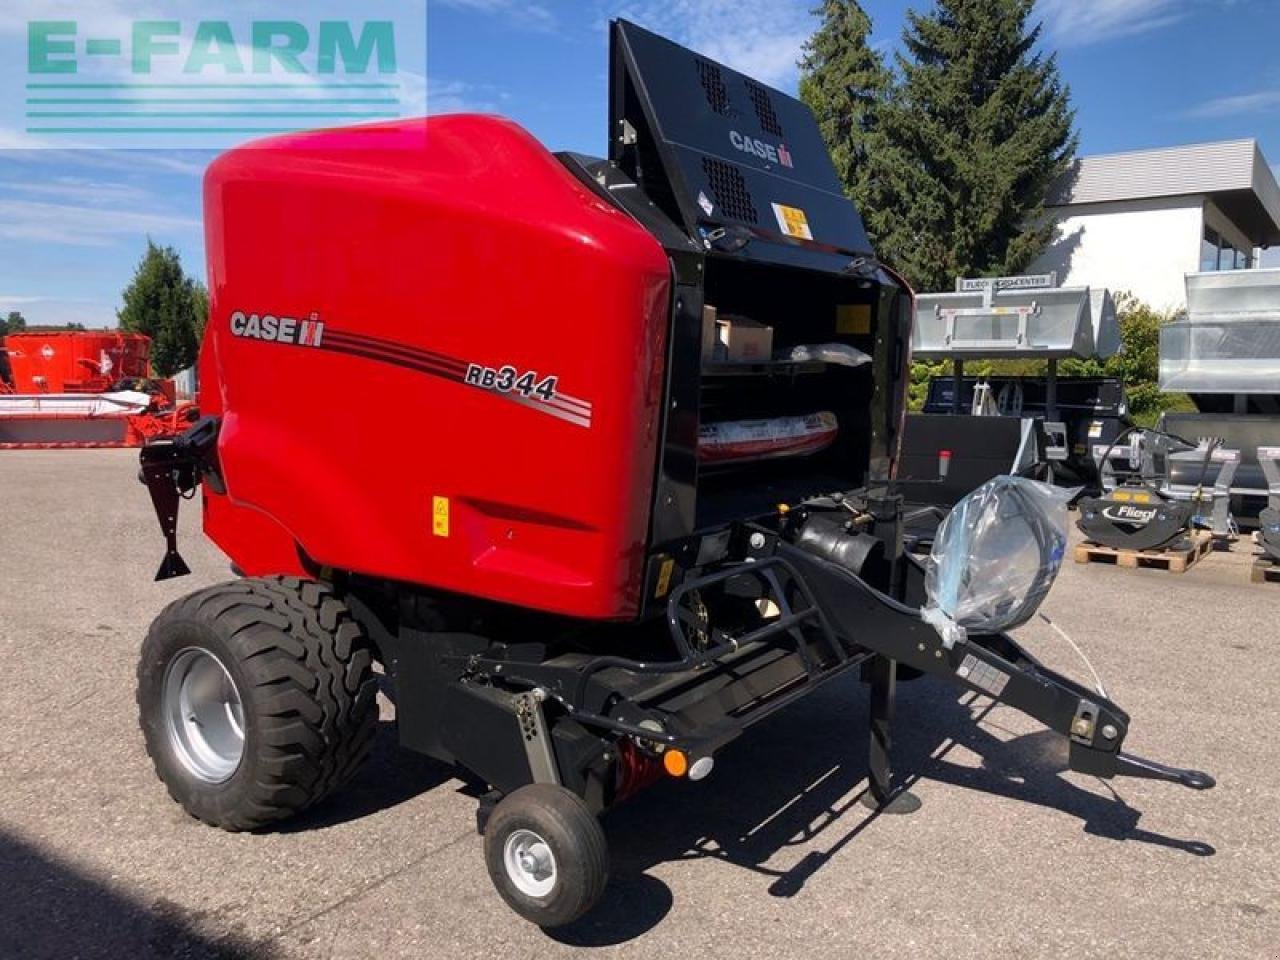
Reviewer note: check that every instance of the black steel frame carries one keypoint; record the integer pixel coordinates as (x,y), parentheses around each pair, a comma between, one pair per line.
(834,621)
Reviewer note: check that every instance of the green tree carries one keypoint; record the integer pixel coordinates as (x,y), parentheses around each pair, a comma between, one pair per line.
(976,132)
(15,322)
(202,310)
(162,302)
(844,81)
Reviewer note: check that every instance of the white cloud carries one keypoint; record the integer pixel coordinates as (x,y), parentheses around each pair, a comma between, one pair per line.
(761,38)
(79,190)
(99,18)
(1236,106)
(82,226)
(454,96)
(527,16)
(185,162)
(1079,23)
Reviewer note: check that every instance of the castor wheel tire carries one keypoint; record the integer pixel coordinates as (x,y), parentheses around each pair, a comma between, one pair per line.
(546,854)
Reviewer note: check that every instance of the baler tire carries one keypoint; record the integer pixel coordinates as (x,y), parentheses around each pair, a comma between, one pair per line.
(577,844)
(302,671)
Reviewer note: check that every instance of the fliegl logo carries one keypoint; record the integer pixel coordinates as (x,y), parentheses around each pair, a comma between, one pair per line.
(266,326)
(759,148)
(235,71)
(1136,516)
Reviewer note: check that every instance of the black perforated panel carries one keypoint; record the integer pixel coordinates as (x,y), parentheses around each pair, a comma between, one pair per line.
(765,113)
(708,133)
(730,190)
(713,85)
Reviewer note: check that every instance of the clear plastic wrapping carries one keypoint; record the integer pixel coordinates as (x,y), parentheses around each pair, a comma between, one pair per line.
(840,354)
(995,557)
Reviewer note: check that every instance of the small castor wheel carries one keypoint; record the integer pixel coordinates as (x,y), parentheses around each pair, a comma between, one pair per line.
(546,854)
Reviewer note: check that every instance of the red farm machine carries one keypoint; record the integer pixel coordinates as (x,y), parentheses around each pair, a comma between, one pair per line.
(638,497)
(76,389)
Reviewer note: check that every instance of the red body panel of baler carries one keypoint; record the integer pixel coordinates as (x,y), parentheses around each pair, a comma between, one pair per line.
(438,358)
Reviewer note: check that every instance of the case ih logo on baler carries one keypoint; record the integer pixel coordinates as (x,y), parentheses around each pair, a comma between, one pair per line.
(759,148)
(303,333)
(528,388)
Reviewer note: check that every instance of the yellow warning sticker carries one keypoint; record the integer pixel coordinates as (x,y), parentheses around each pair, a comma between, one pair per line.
(792,221)
(664,577)
(440,516)
(853,319)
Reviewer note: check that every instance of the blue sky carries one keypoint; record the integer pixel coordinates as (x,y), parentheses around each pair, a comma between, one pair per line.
(1142,72)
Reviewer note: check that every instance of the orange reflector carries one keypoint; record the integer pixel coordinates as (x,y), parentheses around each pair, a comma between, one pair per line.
(675,762)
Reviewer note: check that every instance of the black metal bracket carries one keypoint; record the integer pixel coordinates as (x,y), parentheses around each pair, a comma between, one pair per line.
(832,620)
(576,687)
(171,470)
(995,666)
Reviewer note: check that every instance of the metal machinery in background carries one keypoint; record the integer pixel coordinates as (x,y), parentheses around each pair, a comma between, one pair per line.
(1226,354)
(973,429)
(82,388)
(1141,508)
(1214,468)
(1269,518)
(569,601)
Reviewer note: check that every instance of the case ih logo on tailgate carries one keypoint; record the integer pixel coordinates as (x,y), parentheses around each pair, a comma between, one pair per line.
(303,333)
(758,148)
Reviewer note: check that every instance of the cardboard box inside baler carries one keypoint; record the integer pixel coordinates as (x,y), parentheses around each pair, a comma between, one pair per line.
(744,340)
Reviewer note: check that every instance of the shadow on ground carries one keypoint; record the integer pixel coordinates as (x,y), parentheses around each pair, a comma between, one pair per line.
(798,779)
(795,780)
(51,911)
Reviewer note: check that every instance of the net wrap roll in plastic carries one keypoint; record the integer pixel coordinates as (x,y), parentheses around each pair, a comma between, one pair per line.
(995,557)
(743,441)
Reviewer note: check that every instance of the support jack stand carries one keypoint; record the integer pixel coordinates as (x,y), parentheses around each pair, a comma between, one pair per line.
(881,795)
(904,802)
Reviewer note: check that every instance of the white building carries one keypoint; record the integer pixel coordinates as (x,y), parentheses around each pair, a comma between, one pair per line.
(1139,221)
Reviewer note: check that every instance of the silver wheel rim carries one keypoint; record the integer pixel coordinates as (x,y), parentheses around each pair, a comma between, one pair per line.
(530,864)
(204,715)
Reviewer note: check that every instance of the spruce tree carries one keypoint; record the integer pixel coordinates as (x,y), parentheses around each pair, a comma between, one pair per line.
(844,81)
(979,128)
(163,303)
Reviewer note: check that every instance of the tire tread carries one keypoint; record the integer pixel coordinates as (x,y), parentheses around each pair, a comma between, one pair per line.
(314,694)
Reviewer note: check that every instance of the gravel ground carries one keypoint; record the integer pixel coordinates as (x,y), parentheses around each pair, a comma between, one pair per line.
(771,856)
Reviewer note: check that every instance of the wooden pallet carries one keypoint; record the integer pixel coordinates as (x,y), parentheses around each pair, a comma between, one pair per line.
(1176,559)
(1265,570)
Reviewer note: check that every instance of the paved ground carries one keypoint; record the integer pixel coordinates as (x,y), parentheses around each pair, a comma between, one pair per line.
(771,857)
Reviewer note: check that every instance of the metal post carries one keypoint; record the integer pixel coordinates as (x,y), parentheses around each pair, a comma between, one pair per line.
(957,385)
(881,795)
(1051,392)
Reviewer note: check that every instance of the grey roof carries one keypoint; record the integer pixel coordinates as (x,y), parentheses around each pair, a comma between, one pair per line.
(1234,173)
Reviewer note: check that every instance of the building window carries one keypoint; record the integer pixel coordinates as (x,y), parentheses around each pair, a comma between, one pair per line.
(1226,256)
(1209,250)
(1217,253)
